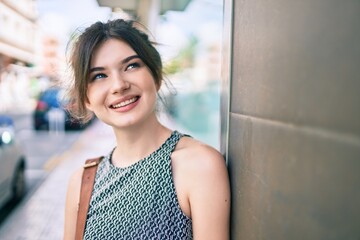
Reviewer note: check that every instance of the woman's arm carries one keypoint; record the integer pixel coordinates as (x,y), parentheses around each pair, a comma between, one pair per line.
(71,206)
(202,185)
(210,196)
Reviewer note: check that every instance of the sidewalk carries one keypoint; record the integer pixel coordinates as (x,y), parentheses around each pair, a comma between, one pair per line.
(41,215)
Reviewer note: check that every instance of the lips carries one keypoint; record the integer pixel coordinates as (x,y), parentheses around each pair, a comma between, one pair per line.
(124,103)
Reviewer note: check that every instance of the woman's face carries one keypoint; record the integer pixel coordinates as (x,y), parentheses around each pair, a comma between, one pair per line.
(121,90)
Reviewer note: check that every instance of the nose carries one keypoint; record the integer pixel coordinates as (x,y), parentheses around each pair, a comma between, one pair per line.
(119,83)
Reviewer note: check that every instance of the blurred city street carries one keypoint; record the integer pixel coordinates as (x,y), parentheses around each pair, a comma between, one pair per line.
(41,150)
(41,214)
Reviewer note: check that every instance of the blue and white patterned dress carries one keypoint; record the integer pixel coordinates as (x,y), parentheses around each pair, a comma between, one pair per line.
(139,201)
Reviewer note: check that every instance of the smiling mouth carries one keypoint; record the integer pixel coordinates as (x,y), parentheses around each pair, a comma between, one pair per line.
(125,103)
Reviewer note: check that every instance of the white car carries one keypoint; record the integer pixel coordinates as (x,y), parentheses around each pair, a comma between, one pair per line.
(12,164)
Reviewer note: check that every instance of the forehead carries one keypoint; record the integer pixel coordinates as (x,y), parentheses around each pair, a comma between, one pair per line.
(112,50)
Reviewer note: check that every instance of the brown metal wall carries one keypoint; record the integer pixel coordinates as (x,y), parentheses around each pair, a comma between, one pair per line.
(294,122)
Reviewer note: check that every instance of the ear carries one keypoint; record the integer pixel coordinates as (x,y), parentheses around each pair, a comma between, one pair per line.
(88,105)
(158,86)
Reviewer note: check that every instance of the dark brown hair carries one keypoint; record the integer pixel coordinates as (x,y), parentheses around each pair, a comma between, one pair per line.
(82,50)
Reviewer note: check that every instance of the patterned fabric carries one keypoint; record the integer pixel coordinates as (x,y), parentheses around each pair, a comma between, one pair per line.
(139,201)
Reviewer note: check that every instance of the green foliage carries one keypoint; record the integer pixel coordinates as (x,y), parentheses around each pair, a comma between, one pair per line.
(184,59)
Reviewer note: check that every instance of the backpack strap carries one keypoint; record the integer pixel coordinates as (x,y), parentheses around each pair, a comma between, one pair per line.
(87,184)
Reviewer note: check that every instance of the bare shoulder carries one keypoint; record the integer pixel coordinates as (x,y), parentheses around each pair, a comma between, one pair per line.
(198,167)
(202,183)
(196,164)
(198,156)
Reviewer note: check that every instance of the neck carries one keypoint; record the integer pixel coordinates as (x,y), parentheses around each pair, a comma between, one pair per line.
(135,143)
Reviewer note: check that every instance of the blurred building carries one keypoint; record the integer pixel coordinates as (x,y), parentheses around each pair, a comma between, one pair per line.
(145,11)
(50,58)
(18,32)
(18,47)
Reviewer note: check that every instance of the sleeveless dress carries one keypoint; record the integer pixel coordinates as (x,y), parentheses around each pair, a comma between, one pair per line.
(139,201)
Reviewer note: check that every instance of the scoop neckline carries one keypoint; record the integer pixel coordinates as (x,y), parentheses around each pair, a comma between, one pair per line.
(109,158)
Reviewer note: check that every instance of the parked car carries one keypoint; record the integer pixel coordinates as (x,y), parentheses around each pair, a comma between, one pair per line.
(51,110)
(13,163)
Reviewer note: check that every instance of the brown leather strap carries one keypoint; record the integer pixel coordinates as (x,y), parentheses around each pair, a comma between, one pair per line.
(87,185)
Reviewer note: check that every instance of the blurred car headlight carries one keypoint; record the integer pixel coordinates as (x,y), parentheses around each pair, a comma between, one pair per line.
(6,137)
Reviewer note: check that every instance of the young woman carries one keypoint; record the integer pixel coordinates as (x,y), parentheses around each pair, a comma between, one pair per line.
(156,183)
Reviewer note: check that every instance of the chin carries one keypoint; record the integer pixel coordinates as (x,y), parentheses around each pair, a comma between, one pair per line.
(124,123)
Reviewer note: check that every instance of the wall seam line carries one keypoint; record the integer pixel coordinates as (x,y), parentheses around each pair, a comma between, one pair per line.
(324,132)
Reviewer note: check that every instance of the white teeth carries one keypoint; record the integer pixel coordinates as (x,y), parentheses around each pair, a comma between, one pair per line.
(127,102)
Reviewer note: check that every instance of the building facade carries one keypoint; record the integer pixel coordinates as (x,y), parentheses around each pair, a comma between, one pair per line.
(18,53)
(18,32)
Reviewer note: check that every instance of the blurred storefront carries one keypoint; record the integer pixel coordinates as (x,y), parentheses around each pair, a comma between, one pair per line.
(18,37)
(18,32)
(29,58)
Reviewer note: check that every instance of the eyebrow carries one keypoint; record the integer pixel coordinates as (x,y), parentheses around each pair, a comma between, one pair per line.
(124,61)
